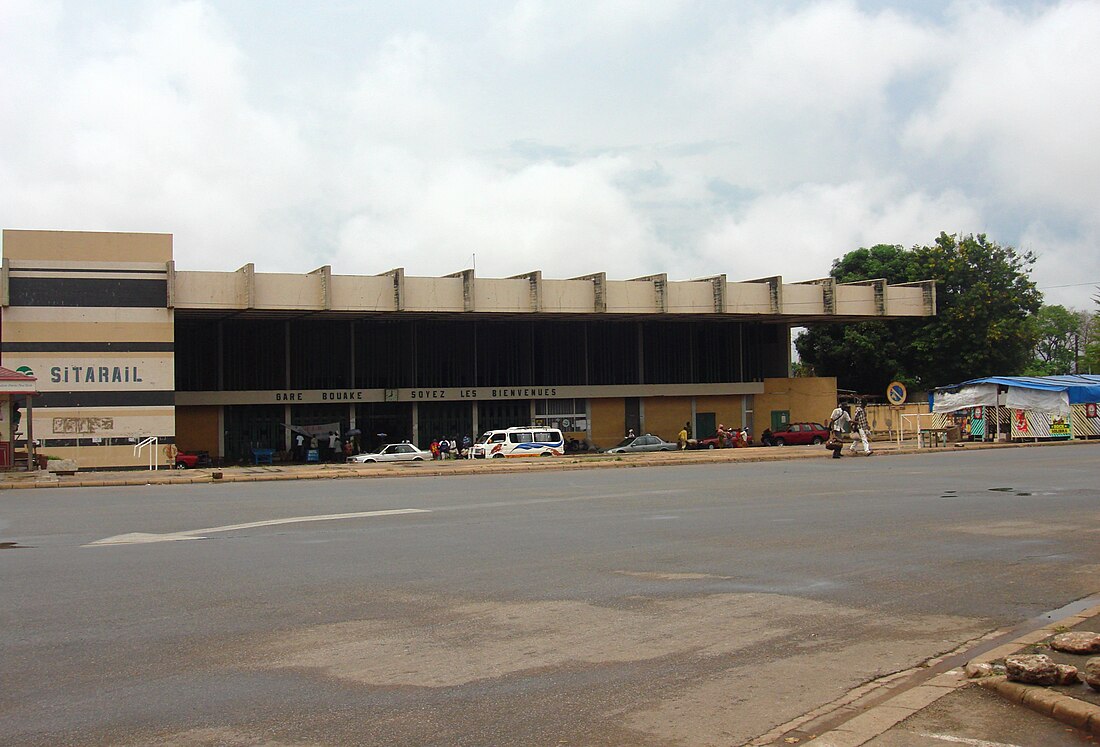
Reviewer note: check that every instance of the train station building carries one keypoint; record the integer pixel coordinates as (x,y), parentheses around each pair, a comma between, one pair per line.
(125,348)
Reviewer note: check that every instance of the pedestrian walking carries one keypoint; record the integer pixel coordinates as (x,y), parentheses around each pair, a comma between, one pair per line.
(682,438)
(838,425)
(860,426)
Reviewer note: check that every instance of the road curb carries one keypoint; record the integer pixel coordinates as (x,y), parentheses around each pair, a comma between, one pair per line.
(460,467)
(883,714)
(1052,703)
(1056,705)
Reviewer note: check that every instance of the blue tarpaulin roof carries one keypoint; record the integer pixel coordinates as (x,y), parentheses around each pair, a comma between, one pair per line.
(1080,387)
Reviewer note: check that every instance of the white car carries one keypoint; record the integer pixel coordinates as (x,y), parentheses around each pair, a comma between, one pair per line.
(393,453)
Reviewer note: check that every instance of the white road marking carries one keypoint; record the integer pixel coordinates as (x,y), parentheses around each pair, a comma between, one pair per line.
(138,538)
(965,740)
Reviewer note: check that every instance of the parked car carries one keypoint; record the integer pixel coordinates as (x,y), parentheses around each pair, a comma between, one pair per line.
(647,442)
(191,460)
(392,453)
(796,434)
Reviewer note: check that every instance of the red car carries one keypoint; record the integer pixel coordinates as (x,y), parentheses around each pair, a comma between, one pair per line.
(188,460)
(796,434)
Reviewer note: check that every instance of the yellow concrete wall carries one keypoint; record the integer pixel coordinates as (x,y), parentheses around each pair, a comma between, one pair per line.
(197,429)
(807,398)
(568,295)
(726,409)
(665,416)
(751,298)
(286,291)
(502,294)
(803,299)
(690,298)
(607,421)
(887,419)
(67,246)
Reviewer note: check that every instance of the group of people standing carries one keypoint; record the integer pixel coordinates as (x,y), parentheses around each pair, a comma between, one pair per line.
(329,447)
(448,448)
(840,422)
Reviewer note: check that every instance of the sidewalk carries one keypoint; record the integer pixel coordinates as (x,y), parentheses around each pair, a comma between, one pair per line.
(263,473)
(939,705)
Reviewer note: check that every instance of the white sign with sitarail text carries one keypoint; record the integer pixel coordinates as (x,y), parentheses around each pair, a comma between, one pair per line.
(109,373)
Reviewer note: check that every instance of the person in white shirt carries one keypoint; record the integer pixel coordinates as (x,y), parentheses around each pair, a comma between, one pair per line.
(838,424)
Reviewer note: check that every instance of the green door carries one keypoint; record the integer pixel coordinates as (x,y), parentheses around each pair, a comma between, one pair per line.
(780,418)
(705,425)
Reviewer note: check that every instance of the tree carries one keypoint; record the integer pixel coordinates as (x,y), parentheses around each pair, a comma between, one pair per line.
(984,301)
(1058,331)
(1090,346)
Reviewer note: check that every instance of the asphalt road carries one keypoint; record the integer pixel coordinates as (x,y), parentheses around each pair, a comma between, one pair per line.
(691,605)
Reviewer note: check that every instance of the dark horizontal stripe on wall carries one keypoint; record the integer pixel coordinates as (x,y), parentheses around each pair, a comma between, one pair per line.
(46,443)
(87,347)
(132,398)
(88,292)
(77,270)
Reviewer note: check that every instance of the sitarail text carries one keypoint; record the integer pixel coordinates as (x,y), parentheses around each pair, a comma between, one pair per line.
(95,375)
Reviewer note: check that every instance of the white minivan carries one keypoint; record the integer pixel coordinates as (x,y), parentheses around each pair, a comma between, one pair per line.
(516,442)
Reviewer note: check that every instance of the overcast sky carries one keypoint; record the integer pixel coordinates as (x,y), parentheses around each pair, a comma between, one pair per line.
(693,138)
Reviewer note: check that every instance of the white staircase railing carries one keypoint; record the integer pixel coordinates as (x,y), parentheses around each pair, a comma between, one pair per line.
(154,455)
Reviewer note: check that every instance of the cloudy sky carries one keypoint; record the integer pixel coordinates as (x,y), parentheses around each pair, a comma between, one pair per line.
(573,136)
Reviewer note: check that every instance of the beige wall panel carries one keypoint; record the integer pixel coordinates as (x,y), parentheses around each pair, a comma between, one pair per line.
(95,332)
(806,398)
(433,294)
(112,457)
(690,298)
(351,292)
(748,298)
(568,295)
(89,315)
(502,294)
(607,422)
(285,291)
(726,409)
(197,429)
(209,290)
(102,422)
(630,297)
(904,301)
(113,372)
(665,416)
(888,419)
(77,246)
(803,299)
(855,299)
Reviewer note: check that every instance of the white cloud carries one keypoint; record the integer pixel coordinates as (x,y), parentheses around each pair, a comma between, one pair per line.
(1021,99)
(798,233)
(564,220)
(670,137)
(531,29)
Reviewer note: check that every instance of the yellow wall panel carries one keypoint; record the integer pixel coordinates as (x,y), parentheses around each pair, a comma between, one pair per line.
(607,422)
(665,416)
(806,398)
(197,429)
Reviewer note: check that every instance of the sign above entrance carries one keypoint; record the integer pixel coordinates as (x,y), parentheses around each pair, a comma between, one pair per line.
(460,394)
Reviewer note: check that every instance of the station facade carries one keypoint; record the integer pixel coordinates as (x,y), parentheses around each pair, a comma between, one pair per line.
(125,348)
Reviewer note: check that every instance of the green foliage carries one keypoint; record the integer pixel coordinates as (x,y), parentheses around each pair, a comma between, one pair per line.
(984,301)
(1059,331)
